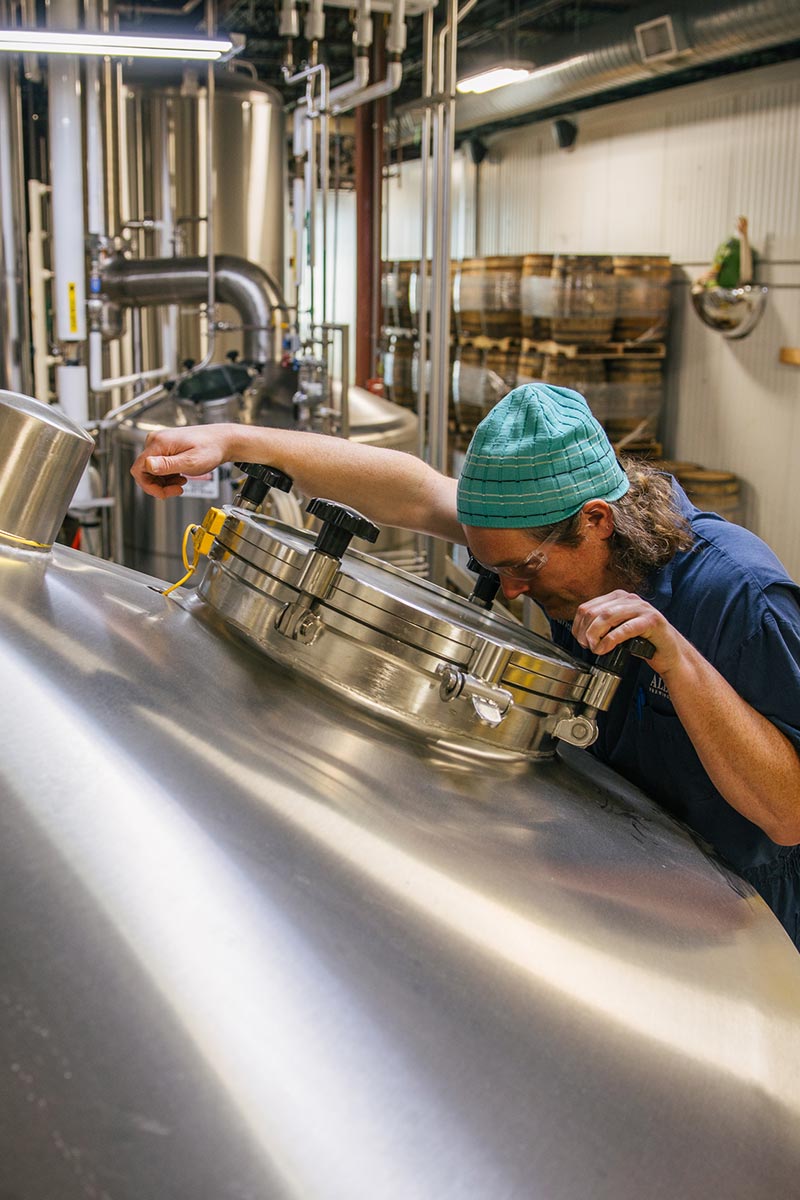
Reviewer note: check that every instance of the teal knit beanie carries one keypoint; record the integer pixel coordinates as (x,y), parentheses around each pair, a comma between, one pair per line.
(537,458)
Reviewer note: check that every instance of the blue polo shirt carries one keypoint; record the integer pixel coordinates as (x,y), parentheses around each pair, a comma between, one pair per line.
(733,600)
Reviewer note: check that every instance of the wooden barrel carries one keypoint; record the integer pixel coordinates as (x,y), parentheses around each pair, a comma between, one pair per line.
(643,297)
(584,298)
(534,296)
(486,296)
(573,372)
(480,377)
(676,466)
(396,293)
(399,371)
(530,367)
(714,491)
(632,436)
(635,389)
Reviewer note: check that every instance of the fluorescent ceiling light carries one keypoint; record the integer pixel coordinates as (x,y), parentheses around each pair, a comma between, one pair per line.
(495,77)
(47,41)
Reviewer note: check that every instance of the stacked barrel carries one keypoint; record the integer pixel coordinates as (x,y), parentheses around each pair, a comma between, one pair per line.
(486,327)
(593,322)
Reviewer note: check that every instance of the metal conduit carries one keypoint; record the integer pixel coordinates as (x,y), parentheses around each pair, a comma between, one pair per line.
(607,55)
(246,287)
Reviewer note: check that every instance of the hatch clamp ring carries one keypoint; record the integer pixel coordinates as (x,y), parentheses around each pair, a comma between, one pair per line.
(491,704)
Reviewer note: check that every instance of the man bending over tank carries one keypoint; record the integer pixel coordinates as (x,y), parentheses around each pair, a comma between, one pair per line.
(710,725)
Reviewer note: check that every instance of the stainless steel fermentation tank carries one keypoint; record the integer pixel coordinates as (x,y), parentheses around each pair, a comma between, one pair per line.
(163,152)
(280,919)
(149,533)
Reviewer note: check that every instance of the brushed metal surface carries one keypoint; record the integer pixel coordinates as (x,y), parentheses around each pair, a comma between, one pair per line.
(381,637)
(44,456)
(256,945)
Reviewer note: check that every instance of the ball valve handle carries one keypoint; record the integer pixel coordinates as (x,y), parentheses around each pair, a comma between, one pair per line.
(617,659)
(339,525)
(486,586)
(260,479)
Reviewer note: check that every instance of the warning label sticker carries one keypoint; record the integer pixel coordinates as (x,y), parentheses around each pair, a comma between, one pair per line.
(203,487)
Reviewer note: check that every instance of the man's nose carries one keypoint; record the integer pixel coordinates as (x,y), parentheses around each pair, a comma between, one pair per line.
(513,587)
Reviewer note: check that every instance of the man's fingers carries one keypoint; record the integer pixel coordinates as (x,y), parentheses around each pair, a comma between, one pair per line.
(164,464)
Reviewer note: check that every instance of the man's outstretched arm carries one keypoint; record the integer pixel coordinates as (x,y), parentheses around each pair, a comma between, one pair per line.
(388,486)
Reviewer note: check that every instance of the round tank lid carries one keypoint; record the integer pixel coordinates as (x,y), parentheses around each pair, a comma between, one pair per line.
(389,641)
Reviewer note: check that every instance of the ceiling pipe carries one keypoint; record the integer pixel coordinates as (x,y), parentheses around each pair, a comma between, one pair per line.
(607,55)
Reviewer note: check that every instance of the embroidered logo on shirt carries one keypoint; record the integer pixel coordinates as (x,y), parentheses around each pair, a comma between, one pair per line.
(658,687)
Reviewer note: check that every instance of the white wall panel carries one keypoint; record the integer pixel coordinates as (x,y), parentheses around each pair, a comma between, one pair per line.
(668,174)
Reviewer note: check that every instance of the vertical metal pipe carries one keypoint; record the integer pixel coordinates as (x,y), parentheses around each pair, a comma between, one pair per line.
(423,290)
(211,311)
(365,266)
(166,214)
(444,142)
(66,159)
(15,372)
(311,202)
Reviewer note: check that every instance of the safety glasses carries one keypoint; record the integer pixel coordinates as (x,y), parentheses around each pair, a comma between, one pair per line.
(525,570)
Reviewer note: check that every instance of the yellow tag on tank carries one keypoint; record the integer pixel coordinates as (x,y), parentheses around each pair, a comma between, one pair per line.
(73,307)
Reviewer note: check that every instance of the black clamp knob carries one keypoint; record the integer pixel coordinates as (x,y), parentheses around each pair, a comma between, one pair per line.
(339,525)
(487,584)
(617,659)
(260,478)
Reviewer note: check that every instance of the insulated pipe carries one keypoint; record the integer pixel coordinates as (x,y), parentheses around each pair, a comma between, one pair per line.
(356,84)
(385,87)
(607,55)
(66,159)
(309,111)
(414,8)
(11,286)
(395,45)
(248,288)
(95,167)
(362,39)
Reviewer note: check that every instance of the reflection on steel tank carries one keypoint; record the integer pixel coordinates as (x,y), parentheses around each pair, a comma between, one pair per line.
(299,900)
(165,119)
(149,533)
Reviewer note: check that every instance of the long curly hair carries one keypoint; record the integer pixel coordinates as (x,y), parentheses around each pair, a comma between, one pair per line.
(649,528)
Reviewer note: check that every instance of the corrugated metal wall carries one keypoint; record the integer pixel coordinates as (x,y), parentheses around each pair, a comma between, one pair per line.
(668,174)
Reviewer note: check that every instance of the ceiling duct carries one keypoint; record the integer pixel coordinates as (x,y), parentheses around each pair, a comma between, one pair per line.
(625,51)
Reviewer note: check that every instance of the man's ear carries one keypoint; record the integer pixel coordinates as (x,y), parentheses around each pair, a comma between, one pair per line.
(599,517)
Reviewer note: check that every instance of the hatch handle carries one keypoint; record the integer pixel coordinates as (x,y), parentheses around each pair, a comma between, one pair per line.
(487,585)
(340,524)
(260,478)
(617,659)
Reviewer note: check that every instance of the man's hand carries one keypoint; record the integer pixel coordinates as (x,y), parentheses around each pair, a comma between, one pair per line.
(749,760)
(606,621)
(170,456)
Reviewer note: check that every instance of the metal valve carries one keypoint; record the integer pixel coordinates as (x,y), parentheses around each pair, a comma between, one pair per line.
(260,478)
(486,586)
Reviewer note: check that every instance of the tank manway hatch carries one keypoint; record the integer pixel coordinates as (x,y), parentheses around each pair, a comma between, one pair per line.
(393,644)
